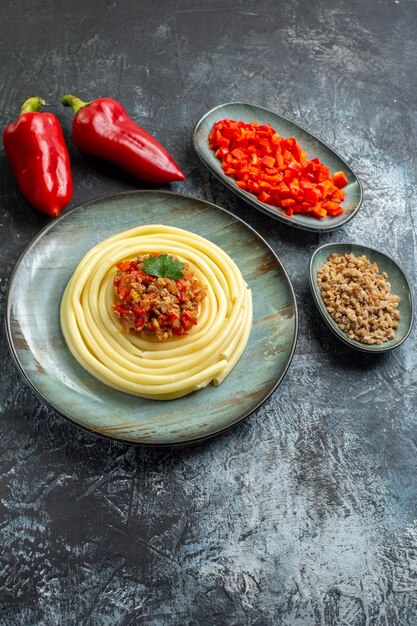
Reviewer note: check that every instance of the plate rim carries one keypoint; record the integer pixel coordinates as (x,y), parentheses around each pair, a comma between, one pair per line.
(319,304)
(255,203)
(120,440)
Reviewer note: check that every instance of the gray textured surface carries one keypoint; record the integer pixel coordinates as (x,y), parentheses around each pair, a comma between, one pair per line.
(306,513)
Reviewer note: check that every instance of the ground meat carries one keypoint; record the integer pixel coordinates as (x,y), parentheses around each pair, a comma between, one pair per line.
(148,305)
(359,298)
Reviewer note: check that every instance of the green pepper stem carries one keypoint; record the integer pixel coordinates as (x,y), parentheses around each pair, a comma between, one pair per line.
(32,105)
(72,101)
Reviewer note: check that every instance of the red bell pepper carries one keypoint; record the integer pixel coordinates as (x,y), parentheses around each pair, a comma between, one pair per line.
(103,129)
(39,158)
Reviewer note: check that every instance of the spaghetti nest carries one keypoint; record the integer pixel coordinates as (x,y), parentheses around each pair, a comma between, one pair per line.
(139,365)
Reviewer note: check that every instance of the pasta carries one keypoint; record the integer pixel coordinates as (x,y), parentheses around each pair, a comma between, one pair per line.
(140,365)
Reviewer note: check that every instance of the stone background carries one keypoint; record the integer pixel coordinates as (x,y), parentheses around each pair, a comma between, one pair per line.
(305,514)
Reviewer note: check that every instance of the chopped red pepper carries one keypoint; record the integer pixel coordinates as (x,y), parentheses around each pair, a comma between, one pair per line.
(339,179)
(312,194)
(268,161)
(263,196)
(276,169)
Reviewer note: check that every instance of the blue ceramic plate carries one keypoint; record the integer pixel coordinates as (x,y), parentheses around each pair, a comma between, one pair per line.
(312,146)
(399,287)
(36,341)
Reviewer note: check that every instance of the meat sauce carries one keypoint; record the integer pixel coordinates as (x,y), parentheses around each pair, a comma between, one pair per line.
(155,306)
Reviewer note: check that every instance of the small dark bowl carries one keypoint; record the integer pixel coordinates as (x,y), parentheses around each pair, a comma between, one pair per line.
(399,286)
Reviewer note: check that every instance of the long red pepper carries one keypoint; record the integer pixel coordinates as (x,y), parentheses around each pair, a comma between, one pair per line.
(103,129)
(39,158)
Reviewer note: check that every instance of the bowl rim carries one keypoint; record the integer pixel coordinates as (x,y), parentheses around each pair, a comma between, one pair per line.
(187,442)
(281,217)
(332,324)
